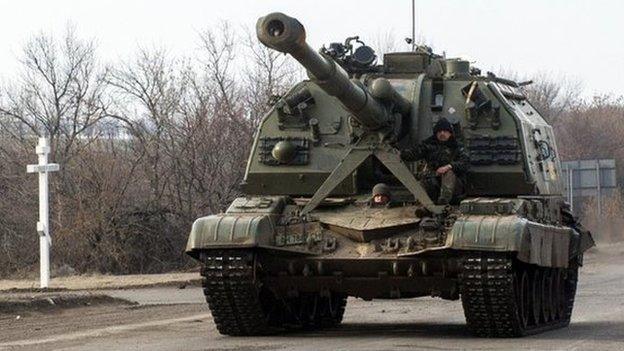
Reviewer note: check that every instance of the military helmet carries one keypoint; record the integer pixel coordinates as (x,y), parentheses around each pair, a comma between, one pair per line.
(381,189)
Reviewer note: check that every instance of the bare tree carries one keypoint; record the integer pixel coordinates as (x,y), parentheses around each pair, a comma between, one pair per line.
(59,93)
(267,75)
(146,146)
(384,43)
(553,96)
(592,129)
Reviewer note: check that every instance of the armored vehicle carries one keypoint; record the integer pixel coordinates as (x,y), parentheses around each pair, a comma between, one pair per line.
(306,234)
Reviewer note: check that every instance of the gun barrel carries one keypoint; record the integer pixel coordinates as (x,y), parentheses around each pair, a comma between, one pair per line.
(286,34)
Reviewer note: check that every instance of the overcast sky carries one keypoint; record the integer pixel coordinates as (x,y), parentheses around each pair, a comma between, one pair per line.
(579,39)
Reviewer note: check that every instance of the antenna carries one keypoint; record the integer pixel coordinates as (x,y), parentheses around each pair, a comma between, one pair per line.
(413,25)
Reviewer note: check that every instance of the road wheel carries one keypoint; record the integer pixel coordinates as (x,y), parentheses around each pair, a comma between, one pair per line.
(523,295)
(321,310)
(536,296)
(546,295)
(558,294)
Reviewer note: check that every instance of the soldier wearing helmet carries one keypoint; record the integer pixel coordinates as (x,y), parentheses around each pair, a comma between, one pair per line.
(446,163)
(381,195)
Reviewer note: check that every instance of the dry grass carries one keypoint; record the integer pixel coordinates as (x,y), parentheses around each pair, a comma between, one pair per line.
(98,281)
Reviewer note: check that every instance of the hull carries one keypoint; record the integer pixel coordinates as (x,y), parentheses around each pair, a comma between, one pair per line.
(266,271)
(254,292)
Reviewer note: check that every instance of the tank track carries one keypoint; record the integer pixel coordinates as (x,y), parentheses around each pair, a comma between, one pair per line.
(495,298)
(232,294)
(242,306)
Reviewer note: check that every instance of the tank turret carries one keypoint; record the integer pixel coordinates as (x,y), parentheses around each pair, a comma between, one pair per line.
(374,109)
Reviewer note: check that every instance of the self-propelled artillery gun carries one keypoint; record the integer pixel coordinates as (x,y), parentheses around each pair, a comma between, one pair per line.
(306,235)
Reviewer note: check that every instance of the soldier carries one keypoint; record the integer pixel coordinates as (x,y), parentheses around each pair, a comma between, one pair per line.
(381,195)
(446,163)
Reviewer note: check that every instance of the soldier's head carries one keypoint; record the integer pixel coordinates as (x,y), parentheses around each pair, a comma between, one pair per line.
(381,194)
(443,130)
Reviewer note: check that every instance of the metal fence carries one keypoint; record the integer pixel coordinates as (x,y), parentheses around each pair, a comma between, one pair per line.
(585,179)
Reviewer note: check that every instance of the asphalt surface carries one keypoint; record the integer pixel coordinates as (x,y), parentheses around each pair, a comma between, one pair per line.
(178,319)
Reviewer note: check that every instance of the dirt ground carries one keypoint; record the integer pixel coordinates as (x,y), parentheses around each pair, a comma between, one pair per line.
(169,318)
(93,282)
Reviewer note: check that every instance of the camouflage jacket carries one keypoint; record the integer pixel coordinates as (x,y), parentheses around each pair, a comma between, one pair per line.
(437,154)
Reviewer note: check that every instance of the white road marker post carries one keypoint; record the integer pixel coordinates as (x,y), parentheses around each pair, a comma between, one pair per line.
(43,225)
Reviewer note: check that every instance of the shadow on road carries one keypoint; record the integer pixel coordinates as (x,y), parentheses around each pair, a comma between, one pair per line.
(595,330)
(390,329)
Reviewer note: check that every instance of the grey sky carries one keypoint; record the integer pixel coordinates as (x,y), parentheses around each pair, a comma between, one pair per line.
(580,39)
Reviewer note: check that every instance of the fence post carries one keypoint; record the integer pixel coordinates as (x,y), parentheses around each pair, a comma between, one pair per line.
(43,225)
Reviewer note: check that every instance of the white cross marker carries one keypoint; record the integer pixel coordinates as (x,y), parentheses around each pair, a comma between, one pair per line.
(43,167)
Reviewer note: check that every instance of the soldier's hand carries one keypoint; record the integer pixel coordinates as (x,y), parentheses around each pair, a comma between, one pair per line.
(442,170)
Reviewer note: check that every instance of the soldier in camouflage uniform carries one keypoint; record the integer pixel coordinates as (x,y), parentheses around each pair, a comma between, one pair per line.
(446,162)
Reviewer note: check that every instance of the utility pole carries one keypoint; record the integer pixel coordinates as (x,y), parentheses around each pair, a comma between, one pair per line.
(43,225)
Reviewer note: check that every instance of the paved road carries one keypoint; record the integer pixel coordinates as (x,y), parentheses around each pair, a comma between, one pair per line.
(175,319)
